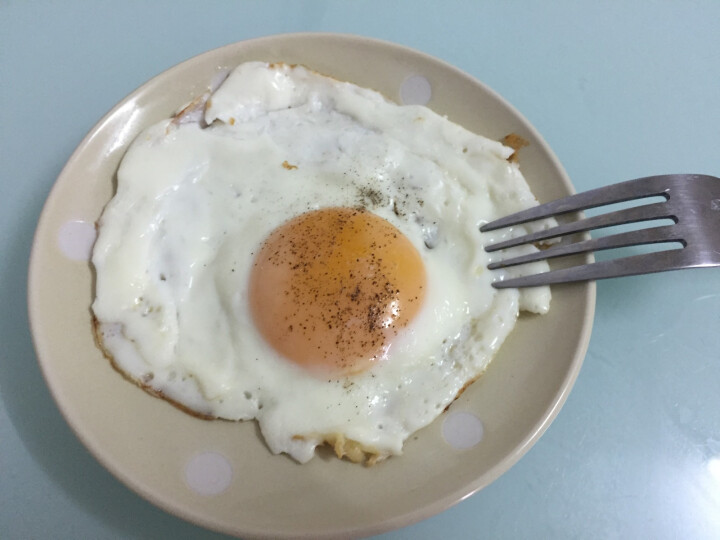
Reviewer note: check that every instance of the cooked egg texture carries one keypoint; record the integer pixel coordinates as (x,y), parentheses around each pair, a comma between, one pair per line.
(308,255)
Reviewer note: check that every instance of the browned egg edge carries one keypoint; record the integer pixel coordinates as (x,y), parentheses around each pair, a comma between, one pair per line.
(343,447)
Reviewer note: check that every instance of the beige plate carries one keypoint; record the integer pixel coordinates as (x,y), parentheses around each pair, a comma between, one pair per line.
(149,444)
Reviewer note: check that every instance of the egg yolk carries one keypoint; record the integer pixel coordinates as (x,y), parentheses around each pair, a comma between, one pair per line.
(330,288)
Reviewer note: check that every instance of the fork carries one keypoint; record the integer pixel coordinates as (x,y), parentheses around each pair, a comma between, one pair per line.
(692,201)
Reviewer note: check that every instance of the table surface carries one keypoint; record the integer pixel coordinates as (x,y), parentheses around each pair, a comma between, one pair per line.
(618,89)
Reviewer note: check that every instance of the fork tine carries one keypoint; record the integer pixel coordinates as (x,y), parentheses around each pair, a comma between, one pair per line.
(639,188)
(653,235)
(620,217)
(646,263)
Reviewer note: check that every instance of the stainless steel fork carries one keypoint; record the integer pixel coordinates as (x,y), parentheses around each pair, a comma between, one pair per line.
(692,201)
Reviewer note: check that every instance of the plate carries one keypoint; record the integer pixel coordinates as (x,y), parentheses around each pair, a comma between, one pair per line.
(220,474)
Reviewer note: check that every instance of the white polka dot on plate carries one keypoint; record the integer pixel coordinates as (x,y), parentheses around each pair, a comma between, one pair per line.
(76,239)
(415,90)
(208,473)
(462,430)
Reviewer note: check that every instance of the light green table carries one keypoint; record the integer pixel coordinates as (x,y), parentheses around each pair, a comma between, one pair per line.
(619,90)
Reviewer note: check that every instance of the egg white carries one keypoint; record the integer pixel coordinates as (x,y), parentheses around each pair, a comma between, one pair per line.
(193,206)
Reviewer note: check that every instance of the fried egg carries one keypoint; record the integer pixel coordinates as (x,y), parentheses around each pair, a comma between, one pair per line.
(308,255)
